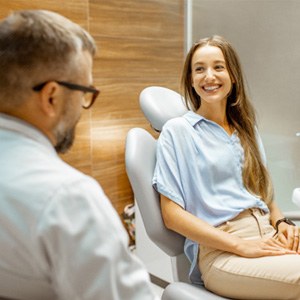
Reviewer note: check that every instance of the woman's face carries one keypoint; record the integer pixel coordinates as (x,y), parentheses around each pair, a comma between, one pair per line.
(210,77)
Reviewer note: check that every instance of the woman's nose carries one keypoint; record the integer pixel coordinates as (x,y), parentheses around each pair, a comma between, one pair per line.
(210,74)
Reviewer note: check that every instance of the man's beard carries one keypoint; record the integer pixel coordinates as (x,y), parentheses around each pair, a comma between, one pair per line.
(65,140)
(65,135)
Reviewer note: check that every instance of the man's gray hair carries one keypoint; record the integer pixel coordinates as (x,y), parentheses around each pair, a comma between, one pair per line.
(37,46)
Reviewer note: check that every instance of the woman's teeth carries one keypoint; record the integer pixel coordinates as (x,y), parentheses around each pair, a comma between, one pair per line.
(211,88)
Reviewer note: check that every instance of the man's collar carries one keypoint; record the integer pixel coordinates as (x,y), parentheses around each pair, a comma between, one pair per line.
(24,128)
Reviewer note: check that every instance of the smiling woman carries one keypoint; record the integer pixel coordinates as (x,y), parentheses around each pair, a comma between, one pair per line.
(217,192)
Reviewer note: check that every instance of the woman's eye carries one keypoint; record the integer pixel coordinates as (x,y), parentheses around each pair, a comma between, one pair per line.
(220,67)
(199,69)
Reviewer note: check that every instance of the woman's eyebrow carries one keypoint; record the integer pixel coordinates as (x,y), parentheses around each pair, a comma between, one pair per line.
(204,63)
(219,62)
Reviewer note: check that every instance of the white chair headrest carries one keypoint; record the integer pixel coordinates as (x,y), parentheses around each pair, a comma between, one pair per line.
(159,104)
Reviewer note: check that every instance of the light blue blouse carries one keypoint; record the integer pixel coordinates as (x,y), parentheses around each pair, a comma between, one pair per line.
(199,166)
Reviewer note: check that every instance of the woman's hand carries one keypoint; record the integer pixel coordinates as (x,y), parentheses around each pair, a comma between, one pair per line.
(289,236)
(262,247)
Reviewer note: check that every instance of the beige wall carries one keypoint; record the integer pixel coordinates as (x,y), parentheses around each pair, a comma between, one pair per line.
(140,44)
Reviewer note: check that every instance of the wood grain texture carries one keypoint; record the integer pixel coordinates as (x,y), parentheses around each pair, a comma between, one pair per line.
(140,43)
(76,10)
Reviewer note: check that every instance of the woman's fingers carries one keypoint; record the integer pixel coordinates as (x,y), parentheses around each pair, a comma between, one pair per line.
(290,239)
(264,247)
(277,246)
(295,238)
(282,239)
(290,236)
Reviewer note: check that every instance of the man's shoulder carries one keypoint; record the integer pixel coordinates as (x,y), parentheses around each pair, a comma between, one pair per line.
(35,175)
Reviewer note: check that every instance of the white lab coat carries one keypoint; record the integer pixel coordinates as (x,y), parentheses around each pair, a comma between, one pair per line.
(60,237)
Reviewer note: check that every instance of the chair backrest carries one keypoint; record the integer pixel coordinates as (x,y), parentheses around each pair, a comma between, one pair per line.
(158,104)
(140,162)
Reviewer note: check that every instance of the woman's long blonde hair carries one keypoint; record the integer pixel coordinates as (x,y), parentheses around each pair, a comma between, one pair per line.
(240,114)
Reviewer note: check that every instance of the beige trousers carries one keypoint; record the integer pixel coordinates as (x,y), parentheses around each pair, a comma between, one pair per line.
(232,276)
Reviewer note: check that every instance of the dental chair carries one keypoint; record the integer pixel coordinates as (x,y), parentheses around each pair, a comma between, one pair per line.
(159,105)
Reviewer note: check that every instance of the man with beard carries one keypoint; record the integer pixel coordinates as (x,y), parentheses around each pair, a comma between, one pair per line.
(60,238)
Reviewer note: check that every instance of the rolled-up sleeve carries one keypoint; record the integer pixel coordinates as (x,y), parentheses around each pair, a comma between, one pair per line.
(167,175)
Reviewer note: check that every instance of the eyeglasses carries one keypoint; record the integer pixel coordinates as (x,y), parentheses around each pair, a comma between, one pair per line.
(90,93)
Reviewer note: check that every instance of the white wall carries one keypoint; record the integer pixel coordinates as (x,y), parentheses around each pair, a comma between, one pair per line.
(266,34)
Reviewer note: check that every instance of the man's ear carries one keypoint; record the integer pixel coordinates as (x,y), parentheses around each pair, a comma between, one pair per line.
(49,100)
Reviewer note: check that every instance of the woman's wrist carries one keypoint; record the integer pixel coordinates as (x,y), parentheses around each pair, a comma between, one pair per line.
(283,221)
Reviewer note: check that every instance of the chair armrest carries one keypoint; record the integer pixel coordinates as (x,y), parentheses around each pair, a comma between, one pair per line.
(186,291)
(293,215)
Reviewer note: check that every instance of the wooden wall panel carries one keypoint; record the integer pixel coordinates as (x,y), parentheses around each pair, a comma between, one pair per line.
(77,10)
(140,43)
(129,57)
(137,18)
